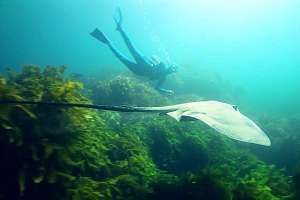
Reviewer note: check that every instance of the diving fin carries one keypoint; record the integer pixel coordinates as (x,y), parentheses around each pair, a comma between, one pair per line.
(99,35)
(118,19)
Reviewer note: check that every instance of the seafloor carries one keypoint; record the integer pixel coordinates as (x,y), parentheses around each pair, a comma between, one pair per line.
(56,153)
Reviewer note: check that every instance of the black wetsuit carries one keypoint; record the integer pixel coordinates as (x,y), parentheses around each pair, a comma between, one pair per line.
(142,65)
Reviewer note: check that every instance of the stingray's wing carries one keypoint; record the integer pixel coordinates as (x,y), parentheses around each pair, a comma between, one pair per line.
(226,120)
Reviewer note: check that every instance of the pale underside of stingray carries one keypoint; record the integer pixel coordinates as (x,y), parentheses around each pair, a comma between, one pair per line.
(224,118)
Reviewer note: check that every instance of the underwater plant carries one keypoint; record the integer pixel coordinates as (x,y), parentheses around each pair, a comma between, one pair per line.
(65,153)
(124,90)
(56,153)
(193,150)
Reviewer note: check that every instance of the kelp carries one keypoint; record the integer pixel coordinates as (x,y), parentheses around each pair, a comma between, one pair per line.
(125,90)
(51,150)
(55,153)
(296,179)
(208,166)
(284,132)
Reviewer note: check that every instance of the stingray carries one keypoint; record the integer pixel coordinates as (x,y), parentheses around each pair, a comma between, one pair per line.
(224,118)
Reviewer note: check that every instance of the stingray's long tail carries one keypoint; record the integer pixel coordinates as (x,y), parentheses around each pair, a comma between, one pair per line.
(91,106)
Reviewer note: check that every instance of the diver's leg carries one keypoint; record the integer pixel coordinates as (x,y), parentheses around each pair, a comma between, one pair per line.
(132,66)
(134,52)
(100,36)
(139,58)
(128,63)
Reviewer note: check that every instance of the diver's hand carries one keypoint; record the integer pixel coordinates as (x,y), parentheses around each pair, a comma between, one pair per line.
(167,92)
(170,92)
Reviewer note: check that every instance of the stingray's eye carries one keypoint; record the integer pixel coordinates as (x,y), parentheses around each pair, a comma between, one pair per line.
(235,107)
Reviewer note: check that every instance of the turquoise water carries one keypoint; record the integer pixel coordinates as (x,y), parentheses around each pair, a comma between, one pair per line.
(242,52)
(252,44)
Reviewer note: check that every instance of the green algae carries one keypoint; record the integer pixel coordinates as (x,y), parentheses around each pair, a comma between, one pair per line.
(55,153)
(124,89)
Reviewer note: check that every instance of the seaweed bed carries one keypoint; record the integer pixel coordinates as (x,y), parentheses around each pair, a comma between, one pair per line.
(55,153)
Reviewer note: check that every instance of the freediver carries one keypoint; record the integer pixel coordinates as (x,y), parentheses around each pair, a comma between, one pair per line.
(151,68)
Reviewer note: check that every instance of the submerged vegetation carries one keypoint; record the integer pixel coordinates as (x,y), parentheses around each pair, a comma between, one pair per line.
(55,153)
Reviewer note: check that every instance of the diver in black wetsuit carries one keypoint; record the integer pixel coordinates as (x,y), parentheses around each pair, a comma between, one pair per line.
(151,68)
